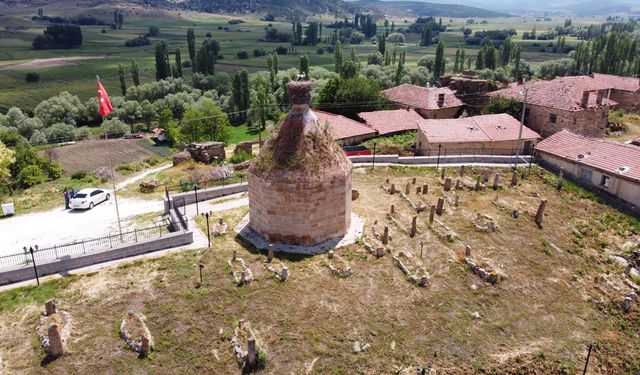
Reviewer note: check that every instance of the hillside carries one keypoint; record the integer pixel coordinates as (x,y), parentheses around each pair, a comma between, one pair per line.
(419,9)
(287,8)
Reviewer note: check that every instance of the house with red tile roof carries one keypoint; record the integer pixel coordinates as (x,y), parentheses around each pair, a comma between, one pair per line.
(484,135)
(610,167)
(393,121)
(429,102)
(344,130)
(623,90)
(577,104)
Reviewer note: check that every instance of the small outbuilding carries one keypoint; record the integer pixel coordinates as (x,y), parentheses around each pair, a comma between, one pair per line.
(428,102)
(391,122)
(484,135)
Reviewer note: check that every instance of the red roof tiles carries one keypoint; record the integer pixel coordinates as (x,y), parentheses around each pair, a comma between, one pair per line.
(392,121)
(342,127)
(561,93)
(617,82)
(422,97)
(485,128)
(609,156)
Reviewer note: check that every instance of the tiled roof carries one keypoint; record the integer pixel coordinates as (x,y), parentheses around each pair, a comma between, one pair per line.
(485,128)
(617,82)
(609,156)
(422,97)
(392,121)
(342,127)
(561,93)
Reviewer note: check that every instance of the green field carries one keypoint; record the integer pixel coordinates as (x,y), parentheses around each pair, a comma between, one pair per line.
(79,78)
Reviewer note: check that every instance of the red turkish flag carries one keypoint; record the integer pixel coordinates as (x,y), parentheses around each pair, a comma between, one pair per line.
(103,100)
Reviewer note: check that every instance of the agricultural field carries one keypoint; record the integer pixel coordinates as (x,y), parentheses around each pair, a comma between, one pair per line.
(102,52)
(558,290)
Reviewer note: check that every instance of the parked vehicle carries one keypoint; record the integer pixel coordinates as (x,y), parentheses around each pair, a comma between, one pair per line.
(356,150)
(88,198)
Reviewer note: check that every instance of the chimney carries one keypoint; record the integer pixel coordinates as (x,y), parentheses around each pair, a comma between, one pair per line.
(441,100)
(599,98)
(505,84)
(585,99)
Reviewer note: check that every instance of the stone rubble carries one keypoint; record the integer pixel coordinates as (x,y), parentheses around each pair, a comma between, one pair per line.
(489,276)
(413,267)
(281,272)
(142,344)
(243,275)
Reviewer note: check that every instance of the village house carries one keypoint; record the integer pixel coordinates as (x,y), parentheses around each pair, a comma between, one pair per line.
(612,168)
(623,90)
(486,135)
(429,102)
(577,104)
(344,130)
(391,122)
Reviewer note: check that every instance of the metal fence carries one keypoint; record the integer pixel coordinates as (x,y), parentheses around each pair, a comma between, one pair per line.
(81,247)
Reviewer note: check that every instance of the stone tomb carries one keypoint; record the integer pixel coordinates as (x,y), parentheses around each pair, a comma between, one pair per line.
(136,334)
(54,329)
(300,185)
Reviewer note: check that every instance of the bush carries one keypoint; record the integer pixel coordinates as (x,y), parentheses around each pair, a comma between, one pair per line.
(281,50)
(128,168)
(82,133)
(257,52)
(239,157)
(153,160)
(242,55)
(114,128)
(154,30)
(30,175)
(79,175)
(208,35)
(320,51)
(32,77)
(186,64)
(395,38)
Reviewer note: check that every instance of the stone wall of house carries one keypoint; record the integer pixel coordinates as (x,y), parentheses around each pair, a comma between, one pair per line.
(627,100)
(473,148)
(590,122)
(301,212)
(620,188)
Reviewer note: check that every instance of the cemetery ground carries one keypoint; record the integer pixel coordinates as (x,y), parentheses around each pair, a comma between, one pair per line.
(558,289)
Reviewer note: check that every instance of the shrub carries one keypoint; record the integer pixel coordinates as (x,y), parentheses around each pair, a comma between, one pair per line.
(30,175)
(82,133)
(242,54)
(239,157)
(153,160)
(114,128)
(128,168)
(32,77)
(257,52)
(209,34)
(320,51)
(281,50)
(79,175)
(154,30)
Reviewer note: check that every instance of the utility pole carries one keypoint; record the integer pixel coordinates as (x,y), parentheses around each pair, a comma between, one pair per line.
(524,110)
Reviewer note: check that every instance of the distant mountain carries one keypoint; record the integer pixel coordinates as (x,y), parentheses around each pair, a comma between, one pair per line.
(274,7)
(578,7)
(419,9)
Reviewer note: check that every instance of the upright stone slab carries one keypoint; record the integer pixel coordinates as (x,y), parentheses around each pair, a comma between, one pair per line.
(425,188)
(447,184)
(56,348)
(418,189)
(413,181)
(385,236)
(458,184)
(540,213)
(414,227)
(560,178)
(432,214)
(300,183)
(478,183)
(442,173)
(514,178)
(457,202)
(270,253)
(145,346)
(392,189)
(407,188)
(462,171)
(251,352)
(393,209)
(496,181)
(487,175)
(440,207)
(50,307)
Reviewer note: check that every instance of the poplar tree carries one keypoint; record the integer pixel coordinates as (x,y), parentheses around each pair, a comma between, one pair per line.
(178,63)
(338,57)
(191,42)
(439,63)
(304,66)
(123,82)
(135,73)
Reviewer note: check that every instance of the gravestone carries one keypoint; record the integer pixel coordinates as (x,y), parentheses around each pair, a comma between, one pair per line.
(478,183)
(56,348)
(514,178)
(440,207)
(540,213)
(457,202)
(560,178)
(462,171)
(414,228)
(447,184)
(487,174)
(432,214)
(425,188)
(407,188)
(50,307)
(385,236)
(496,181)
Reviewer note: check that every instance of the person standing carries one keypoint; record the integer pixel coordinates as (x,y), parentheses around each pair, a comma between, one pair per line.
(66,199)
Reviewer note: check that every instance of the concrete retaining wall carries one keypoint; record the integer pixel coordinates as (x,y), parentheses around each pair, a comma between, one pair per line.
(433,160)
(189,197)
(68,263)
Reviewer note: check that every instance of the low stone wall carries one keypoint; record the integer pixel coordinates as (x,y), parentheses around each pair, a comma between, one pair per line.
(68,263)
(189,197)
(433,160)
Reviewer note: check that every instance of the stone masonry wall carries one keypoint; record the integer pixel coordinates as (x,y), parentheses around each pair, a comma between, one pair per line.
(589,122)
(301,212)
(627,100)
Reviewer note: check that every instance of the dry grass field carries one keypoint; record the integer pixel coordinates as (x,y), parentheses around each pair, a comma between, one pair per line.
(558,292)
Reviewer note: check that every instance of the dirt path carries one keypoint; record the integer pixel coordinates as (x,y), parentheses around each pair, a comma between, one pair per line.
(50,62)
(122,185)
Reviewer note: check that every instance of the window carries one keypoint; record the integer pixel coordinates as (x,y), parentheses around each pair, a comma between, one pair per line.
(585,174)
(575,120)
(552,118)
(605,181)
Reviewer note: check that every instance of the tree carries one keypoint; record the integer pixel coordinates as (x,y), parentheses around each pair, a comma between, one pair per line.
(135,73)
(338,57)
(123,82)
(427,34)
(263,105)
(6,159)
(304,66)
(395,38)
(191,42)
(382,44)
(500,104)
(349,69)
(63,107)
(439,63)
(154,30)
(456,63)
(166,122)
(240,93)
(375,58)
(490,57)
(163,67)
(400,68)
(178,63)
(59,36)
(205,122)
(516,62)
(340,94)
(506,50)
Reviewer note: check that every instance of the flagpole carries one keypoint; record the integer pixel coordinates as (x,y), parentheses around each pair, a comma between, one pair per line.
(113,176)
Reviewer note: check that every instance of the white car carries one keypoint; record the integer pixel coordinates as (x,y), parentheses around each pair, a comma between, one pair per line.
(87,198)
